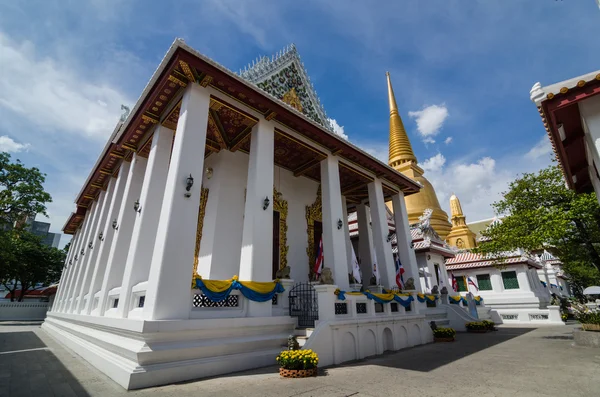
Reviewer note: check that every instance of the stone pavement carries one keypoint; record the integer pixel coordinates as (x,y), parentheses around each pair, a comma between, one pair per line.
(510,362)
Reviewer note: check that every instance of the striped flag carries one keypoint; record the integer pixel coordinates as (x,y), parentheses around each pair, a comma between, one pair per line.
(319,261)
(399,274)
(355,268)
(472,283)
(454,283)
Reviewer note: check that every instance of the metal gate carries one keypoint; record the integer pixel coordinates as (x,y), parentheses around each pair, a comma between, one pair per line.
(304,305)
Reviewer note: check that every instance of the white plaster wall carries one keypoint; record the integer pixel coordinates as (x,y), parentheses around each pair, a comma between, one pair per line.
(221,240)
(14,311)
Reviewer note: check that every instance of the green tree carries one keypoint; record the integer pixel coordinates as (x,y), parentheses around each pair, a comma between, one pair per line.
(28,262)
(541,212)
(22,193)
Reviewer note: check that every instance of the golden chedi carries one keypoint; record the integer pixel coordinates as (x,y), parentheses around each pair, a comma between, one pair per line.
(403,159)
(460,236)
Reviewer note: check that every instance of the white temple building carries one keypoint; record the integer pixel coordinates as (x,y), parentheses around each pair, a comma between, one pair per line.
(214,185)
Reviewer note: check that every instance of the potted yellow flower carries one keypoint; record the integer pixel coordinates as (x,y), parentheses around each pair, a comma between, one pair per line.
(297,363)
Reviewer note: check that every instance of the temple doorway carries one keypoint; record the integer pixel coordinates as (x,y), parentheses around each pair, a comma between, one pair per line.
(276,248)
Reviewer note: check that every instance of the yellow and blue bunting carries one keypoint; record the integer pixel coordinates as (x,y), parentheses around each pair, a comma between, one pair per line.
(219,290)
(426,298)
(458,299)
(403,299)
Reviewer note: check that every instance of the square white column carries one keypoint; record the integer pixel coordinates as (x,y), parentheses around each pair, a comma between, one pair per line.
(404,241)
(66,272)
(257,235)
(170,278)
(365,242)
(334,240)
(120,246)
(116,187)
(137,266)
(223,216)
(78,263)
(383,248)
(349,259)
(90,260)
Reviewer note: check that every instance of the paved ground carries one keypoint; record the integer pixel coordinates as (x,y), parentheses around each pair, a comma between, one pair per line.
(510,362)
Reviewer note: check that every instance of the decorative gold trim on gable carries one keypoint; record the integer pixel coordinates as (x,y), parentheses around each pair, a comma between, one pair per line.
(117,155)
(105,171)
(129,146)
(175,80)
(187,71)
(270,115)
(147,119)
(201,212)
(314,212)
(291,98)
(96,185)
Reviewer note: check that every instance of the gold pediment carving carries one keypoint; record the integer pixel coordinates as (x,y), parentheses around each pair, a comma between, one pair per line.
(292,99)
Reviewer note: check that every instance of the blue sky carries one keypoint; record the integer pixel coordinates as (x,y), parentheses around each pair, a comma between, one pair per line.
(461,70)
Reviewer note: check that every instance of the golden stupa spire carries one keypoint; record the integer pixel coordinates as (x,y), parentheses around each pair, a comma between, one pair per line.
(455,207)
(400,148)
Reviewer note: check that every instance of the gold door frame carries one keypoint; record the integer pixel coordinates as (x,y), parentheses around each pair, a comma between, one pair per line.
(201,212)
(314,212)
(280,205)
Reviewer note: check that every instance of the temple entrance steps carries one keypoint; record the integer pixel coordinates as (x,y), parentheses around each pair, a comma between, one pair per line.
(302,335)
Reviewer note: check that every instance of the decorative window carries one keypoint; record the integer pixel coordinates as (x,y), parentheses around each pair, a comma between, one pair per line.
(274,300)
(201,300)
(510,280)
(462,284)
(361,307)
(378,307)
(394,307)
(484,282)
(115,303)
(141,301)
(341,308)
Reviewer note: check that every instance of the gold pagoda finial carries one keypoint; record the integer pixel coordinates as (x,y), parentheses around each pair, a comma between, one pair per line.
(400,148)
(455,207)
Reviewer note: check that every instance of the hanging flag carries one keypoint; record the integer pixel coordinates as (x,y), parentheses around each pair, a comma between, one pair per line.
(355,268)
(399,274)
(375,270)
(454,283)
(472,283)
(319,261)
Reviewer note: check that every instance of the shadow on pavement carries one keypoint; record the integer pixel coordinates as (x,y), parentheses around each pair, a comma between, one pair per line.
(25,372)
(428,357)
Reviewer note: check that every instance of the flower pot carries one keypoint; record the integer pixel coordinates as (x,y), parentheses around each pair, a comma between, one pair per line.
(297,373)
(441,339)
(477,331)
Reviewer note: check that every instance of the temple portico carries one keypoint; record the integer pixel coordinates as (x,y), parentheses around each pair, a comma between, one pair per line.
(212,187)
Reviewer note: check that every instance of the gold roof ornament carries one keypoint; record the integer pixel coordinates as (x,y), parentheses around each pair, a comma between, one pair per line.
(403,159)
(460,236)
(455,207)
(400,148)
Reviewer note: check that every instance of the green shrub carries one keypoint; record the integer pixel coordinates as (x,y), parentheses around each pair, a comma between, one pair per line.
(589,320)
(476,326)
(444,332)
(489,324)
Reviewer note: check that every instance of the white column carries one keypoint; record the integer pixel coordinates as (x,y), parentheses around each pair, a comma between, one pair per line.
(72,267)
(90,257)
(137,266)
(347,240)
(116,187)
(77,262)
(169,282)
(65,273)
(404,241)
(223,216)
(334,241)
(257,234)
(385,258)
(524,284)
(84,254)
(365,242)
(120,247)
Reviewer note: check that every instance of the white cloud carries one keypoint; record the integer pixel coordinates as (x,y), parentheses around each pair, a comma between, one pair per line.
(429,140)
(7,144)
(448,140)
(338,129)
(541,149)
(430,120)
(434,163)
(52,96)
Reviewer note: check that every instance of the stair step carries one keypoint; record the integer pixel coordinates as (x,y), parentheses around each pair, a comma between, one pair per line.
(303,332)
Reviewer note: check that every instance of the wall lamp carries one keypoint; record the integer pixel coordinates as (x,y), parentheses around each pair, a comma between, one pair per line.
(82,252)
(266,203)
(115,225)
(136,206)
(90,246)
(101,236)
(75,258)
(340,224)
(189,182)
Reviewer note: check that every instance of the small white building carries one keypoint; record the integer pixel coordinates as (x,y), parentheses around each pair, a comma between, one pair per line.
(510,286)
(214,185)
